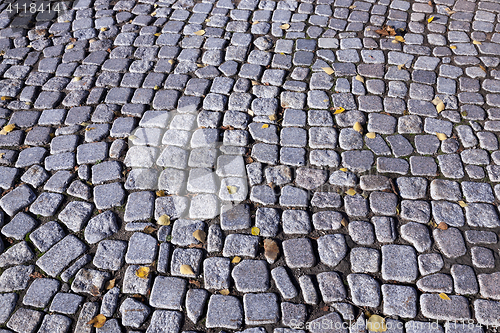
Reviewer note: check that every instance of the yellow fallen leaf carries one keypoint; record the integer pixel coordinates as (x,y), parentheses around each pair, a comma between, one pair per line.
(357,127)
(156,87)
(255,231)
(250,112)
(351,191)
(453,47)
(328,70)
(462,204)
(157,34)
(199,32)
(224,292)
(164,220)
(104,29)
(77,78)
(343,169)
(371,135)
(360,78)
(110,284)
(255,22)
(2,155)
(160,193)
(171,61)
(441,136)
(352,7)
(98,321)
(200,65)
(429,20)
(376,323)
(265,126)
(476,42)
(272,117)
(143,272)
(186,270)
(325,100)
(482,67)
(236,260)
(207,20)
(153,14)
(444,296)
(399,39)
(285,26)
(5,98)
(339,110)
(70,46)
(402,66)
(89,129)
(255,83)
(232,189)
(7,129)
(344,222)
(436,100)
(132,137)
(200,235)
(440,107)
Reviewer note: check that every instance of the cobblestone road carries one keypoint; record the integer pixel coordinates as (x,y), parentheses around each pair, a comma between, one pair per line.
(172,166)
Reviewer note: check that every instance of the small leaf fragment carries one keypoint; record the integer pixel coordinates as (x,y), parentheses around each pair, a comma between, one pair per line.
(344,222)
(476,42)
(360,78)
(157,34)
(328,70)
(352,6)
(160,193)
(132,137)
(94,291)
(265,126)
(5,98)
(462,204)
(285,26)
(231,189)
(351,191)
(429,20)
(371,135)
(402,66)
(482,67)
(143,272)
(440,107)
(236,260)
(250,112)
(441,136)
(272,117)
(255,231)
(357,127)
(98,321)
(442,226)
(171,61)
(110,284)
(271,249)
(104,29)
(164,220)
(444,296)
(453,47)
(343,169)
(186,270)
(376,323)
(339,110)
(200,235)
(199,32)
(224,292)
(70,46)
(399,39)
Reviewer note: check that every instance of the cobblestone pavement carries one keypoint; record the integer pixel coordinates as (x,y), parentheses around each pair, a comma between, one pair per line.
(155,155)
